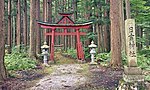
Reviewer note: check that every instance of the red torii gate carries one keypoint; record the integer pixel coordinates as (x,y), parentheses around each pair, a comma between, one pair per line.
(66,23)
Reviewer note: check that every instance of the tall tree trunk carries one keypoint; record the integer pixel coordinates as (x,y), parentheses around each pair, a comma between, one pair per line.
(14,30)
(45,17)
(9,39)
(50,11)
(38,35)
(25,29)
(18,25)
(74,5)
(115,34)
(122,24)
(73,38)
(14,27)
(87,16)
(98,28)
(128,15)
(108,30)
(148,38)
(2,43)
(32,50)
(140,35)
(50,19)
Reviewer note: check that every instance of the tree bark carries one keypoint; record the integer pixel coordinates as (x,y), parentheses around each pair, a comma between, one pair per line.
(25,29)
(122,25)
(74,16)
(2,43)
(128,15)
(9,39)
(87,16)
(49,19)
(38,35)
(115,34)
(14,27)
(50,11)
(18,25)
(32,50)
(140,35)
(45,17)
(148,38)
(98,28)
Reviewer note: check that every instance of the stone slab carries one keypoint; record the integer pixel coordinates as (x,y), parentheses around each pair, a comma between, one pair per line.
(93,63)
(132,70)
(133,78)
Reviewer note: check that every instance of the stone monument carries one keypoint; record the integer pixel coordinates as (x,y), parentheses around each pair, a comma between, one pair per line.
(132,73)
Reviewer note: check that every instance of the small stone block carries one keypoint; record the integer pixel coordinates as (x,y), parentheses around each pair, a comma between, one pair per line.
(132,70)
(93,63)
(132,63)
(133,78)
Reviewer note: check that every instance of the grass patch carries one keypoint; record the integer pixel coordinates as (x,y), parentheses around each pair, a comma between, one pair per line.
(84,70)
(59,59)
(48,70)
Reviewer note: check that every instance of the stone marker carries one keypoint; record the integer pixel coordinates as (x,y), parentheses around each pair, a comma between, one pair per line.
(132,72)
(131,42)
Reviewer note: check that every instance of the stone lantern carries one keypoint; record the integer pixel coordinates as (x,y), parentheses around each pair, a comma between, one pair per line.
(92,52)
(45,53)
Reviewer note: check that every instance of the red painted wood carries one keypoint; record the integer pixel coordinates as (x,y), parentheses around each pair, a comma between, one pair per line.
(80,52)
(52,45)
(71,33)
(66,23)
(66,26)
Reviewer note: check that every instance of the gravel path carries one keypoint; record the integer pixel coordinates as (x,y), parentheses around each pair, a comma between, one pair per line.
(65,77)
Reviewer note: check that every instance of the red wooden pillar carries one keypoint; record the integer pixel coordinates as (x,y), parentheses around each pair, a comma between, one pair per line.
(65,39)
(80,53)
(52,45)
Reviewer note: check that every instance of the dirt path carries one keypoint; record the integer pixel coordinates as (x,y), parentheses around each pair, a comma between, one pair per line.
(73,76)
(65,77)
(66,74)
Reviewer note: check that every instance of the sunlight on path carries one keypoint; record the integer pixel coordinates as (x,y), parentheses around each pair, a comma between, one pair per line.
(65,77)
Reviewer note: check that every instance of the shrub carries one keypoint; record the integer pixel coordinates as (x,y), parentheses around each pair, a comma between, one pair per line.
(72,52)
(19,61)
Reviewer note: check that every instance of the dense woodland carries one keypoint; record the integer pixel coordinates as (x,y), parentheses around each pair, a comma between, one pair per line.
(21,37)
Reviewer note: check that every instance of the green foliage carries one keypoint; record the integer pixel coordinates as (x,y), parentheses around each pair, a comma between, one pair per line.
(144,62)
(145,52)
(72,52)
(103,58)
(91,35)
(147,78)
(140,10)
(141,40)
(124,58)
(19,61)
(86,52)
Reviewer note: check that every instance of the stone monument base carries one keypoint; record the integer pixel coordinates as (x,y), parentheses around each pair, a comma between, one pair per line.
(133,78)
(133,74)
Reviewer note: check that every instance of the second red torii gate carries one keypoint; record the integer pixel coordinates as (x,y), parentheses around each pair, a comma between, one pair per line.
(66,23)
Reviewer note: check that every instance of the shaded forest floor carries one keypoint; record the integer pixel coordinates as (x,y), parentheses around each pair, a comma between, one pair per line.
(66,74)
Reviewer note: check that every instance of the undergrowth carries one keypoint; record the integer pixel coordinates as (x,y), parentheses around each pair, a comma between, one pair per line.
(19,61)
(71,52)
